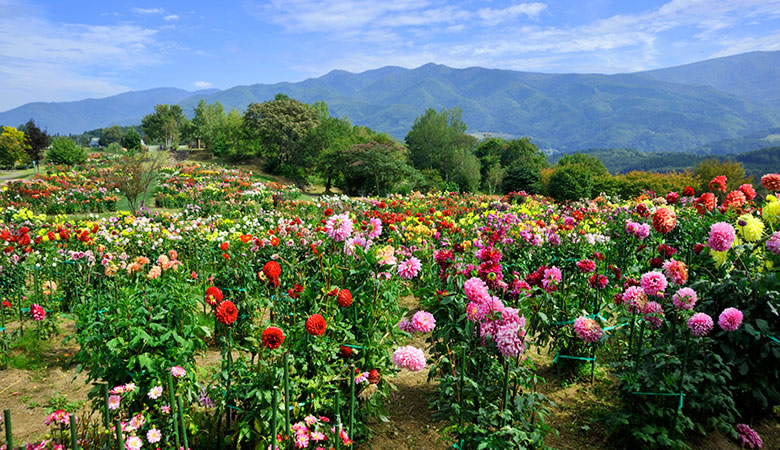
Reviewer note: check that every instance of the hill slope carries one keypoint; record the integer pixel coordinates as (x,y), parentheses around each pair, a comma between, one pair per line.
(75,117)
(666,110)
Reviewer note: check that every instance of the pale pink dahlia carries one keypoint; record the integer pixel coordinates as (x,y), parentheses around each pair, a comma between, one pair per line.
(635,299)
(700,324)
(408,357)
(653,283)
(773,243)
(374,228)
(423,322)
(730,319)
(654,314)
(339,227)
(476,290)
(587,329)
(509,340)
(409,268)
(721,236)
(685,298)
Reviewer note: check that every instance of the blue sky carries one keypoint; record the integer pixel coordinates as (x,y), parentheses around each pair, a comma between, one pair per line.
(69,50)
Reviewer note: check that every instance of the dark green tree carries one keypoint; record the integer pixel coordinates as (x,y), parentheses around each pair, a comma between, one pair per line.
(131,140)
(110,135)
(375,168)
(522,177)
(64,151)
(571,182)
(37,140)
(593,165)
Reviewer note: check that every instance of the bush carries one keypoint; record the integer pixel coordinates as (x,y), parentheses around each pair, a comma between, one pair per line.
(571,182)
(64,151)
(520,177)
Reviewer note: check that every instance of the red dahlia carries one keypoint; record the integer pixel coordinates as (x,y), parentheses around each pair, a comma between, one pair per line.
(373,376)
(705,203)
(272,270)
(345,352)
(227,313)
(664,220)
(273,337)
(734,199)
(344,298)
(224,246)
(771,182)
(688,191)
(315,325)
(718,183)
(213,296)
(748,190)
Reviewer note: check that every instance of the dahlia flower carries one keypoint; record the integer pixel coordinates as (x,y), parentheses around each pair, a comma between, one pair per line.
(423,322)
(721,236)
(587,329)
(664,220)
(684,298)
(408,357)
(654,314)
(700,324)
(653,283)
(730,319)
(339,227)
(751,228)
(409,268)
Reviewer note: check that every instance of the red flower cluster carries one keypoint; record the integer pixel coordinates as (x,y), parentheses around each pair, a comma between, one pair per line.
(666,250)
(315,325)
(672,197)
(734,199)
(664,220)
(213,296)
(344,298)
(748,190)
(718,183)
(688,191)
(705,203)
(598,281)
(345,352)
(273,337)
(272,270)
(295,292)
(586,266)
(224,246)
(227,313)
(373,376)
(771,182)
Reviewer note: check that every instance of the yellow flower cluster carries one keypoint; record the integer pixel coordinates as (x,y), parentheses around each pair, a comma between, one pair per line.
(753,228)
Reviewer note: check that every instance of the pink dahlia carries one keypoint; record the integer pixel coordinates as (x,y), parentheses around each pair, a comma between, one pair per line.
(406,325)
(587,329)
(37,312)
(510,340)
(685,298)
(512,315)
(374,228)
(552,277)
(409,268)
(476,290)
(748,437)
(408,357)
(730,319)
(773,243)
(339,227)
(654,283)
(654,314)
(635,299)
(721,236)
(423,322)
(676,271)
(700,324)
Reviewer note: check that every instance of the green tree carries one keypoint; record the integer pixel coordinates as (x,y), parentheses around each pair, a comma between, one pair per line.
(375,168)
(438,140)
(110,134)
(131,140)
(64,151)
(229,138)
(328,140)
(593,165)
(281,125)
(134,173)
(37,140)
(522,177)
(13,147)
(571,182)
(207,123)
(165,125)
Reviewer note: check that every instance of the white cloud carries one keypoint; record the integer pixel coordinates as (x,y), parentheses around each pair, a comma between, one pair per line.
(43,60)
(202,84)
(171,17)
(148,10)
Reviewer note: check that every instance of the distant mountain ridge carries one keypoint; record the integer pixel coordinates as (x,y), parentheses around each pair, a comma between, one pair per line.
(674,109)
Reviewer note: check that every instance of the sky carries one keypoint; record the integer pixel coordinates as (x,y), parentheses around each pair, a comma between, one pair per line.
(69,50)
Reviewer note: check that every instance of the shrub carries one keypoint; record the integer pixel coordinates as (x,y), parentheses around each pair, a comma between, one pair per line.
(64,151)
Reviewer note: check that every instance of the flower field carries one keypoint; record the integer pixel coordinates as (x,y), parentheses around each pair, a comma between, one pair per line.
(672,299)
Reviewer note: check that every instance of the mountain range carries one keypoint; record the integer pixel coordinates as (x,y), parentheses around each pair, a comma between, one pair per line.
(683,108)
